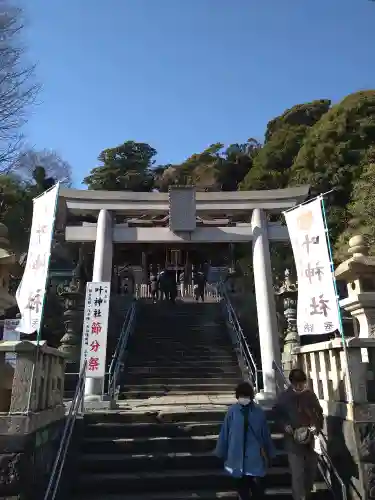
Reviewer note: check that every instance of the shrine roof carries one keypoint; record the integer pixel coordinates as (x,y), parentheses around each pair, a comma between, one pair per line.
(80,202)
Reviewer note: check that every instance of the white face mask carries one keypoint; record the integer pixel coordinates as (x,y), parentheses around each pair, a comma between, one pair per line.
(244,401)
(300,389)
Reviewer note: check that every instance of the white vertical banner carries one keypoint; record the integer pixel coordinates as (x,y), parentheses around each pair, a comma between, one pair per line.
(317,309)
(95,327)
(32,289)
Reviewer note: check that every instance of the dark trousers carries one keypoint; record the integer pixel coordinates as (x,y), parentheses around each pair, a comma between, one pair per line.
(199,294)
(250,487)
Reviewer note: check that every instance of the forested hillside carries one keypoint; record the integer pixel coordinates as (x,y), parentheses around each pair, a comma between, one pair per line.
(317,143)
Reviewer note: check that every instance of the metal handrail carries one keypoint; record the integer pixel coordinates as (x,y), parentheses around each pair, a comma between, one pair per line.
(117,359)
(325,456)
(239,337)
(75,407)
(278,369)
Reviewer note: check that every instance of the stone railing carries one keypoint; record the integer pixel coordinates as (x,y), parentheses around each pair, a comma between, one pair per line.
(24,361)
(326,365)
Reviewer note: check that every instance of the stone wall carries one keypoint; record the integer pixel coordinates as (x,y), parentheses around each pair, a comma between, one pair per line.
(26,459)
(343,381)
(343,451)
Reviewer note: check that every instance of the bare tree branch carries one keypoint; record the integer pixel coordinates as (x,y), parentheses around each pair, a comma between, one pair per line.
(18,88)
(50,160)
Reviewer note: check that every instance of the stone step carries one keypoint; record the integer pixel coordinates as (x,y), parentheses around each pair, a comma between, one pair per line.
(174,357)
(157,417)
(162,406)
(144,394)
(207,494)
(169,480)
(170,401)
(217,363)
(182,370)
(186,388)
(185,319)
(193,350)
(165,444)
(146,430)
(182,333)
(158,429)
(147,380)
(185,339)
(157,462)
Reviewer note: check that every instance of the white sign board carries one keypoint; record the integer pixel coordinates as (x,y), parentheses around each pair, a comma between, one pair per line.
(317,310)
(10,333)
(95,326)
(32,289)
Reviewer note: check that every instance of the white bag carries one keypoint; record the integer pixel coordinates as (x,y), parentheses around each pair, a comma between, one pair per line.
(318,445)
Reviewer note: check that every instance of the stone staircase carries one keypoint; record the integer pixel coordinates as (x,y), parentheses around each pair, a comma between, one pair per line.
(182,350)
(179,379)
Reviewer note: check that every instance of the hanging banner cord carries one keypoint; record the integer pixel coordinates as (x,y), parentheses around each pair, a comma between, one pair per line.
(309,200)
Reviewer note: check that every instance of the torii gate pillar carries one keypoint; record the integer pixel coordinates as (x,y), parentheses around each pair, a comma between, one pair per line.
(265,301)
(102,271)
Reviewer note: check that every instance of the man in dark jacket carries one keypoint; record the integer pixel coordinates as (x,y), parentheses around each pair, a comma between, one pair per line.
(198,285)
(301,417)
(154,285)
(162,284)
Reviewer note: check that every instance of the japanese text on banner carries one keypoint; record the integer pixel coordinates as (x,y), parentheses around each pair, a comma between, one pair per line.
(32,289)
(317,310)
(95,325)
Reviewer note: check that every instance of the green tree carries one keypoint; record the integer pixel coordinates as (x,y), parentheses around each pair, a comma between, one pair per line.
(127,167)
(238,160)
(16,204)
(214,169)
(15,210)
(361,210)
(283,139)
(334,152)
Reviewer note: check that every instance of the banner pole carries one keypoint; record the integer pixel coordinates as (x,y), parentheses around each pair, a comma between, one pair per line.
(49,260)
(38,336)
(309,200)
(341,327)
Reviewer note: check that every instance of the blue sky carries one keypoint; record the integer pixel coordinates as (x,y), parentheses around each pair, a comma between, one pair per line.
(183,74)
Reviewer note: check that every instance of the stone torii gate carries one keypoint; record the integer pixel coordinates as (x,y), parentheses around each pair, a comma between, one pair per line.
(186,216)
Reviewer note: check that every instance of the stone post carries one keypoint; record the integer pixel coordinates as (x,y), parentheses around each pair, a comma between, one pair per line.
(288,293)
(31,424)
(265,301)
(73,297)
(359,273)
(72,294)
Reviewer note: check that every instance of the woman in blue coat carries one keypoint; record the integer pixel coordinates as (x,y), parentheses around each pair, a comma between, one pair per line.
(245,444)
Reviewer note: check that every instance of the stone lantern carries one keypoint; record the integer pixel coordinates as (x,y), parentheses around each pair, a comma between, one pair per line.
(359,273)
(7,260)
(73,297)
(288,292)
